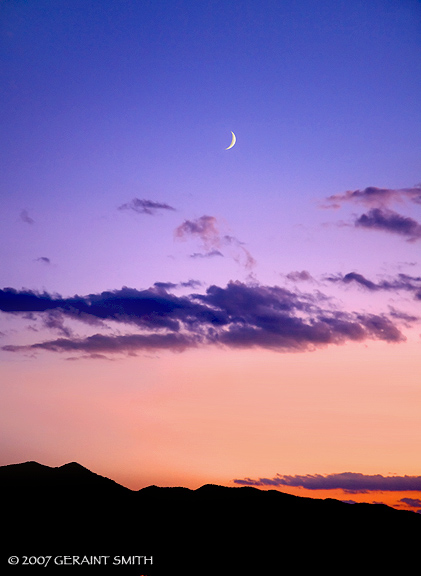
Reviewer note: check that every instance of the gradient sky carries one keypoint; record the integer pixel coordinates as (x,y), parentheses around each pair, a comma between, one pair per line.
(176,313)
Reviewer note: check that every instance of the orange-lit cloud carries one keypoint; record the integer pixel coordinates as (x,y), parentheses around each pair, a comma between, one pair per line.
(349,482)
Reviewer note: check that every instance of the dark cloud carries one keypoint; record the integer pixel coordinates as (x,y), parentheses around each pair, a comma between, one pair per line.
(12,300)
(24,216)
(145,206)
(165,285)
(239,315)
(44,259)
(390,221)
(403,282)
(412,502)
(376,197)
(191,284)
(349,482)
(152,308)
(172,286)
(99,343)
(359,279)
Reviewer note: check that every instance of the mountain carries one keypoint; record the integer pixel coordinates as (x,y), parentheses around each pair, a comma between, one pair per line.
(71,512)
(31,476)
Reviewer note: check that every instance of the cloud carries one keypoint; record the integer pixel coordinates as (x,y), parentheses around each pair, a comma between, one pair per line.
(24,216)
(191,284)
(399,315)
(376,197)
(349,482)
(90,357)
(412,502)
(206,228)
(401,282)
(302,276)
(210,254)
(44,260)
(236,316)
(172,286)
(242,255)
(54,320)
(361,280)
(153,309)
(145,206)
(99,343)
(390,221)
(165,285)
(380,217)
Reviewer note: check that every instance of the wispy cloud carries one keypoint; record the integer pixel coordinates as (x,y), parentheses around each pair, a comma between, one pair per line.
(206,229)
(54,320)
(241,255)
(349,482)
(100,343)
(302,276)
(210,254)
(375,197)
(236,316)
(24,216)
(92,356)
(43,259)
(145,206)
(191,284)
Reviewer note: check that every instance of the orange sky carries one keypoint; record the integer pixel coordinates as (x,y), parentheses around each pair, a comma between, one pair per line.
(212,416)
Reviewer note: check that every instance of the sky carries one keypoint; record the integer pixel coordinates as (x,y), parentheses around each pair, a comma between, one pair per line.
(176,313)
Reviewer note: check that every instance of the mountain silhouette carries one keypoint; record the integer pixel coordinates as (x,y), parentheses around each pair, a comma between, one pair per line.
(70,512)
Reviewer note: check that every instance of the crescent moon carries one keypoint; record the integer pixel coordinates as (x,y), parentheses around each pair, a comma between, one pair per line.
(232,141)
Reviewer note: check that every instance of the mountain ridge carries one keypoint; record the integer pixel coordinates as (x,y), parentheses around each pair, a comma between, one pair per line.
(73,471)
(212,529)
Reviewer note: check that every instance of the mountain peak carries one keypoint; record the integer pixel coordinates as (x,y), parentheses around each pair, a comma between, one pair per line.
(73,467)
